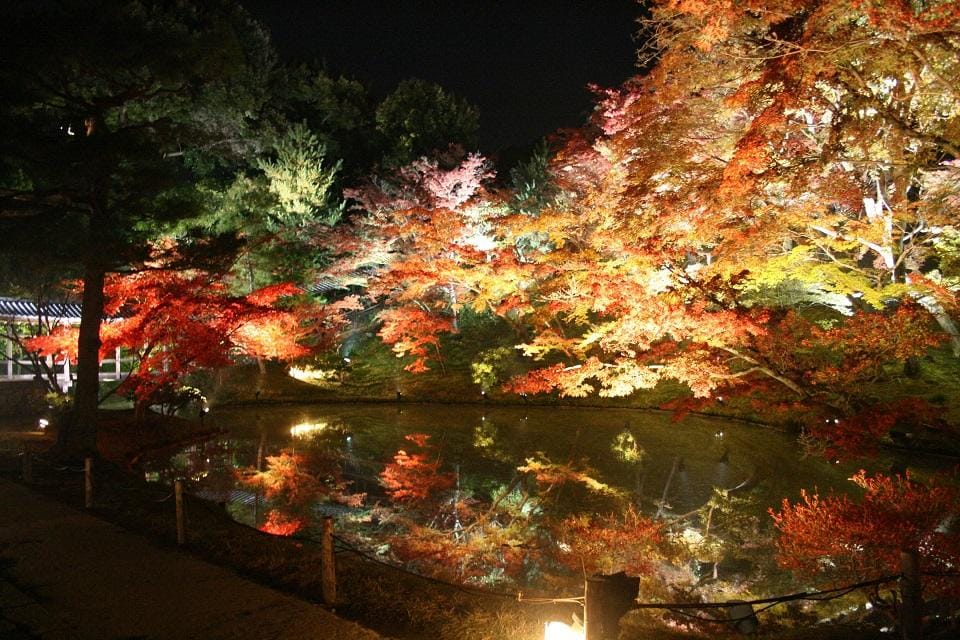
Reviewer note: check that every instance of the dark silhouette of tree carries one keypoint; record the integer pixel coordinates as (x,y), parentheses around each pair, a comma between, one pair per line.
(419,118)
(119,117)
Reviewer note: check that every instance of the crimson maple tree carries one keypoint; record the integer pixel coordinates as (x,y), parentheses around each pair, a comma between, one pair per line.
(178,322)
(863,539)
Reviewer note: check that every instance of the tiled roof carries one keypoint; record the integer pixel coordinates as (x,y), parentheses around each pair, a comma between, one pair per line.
(16,309)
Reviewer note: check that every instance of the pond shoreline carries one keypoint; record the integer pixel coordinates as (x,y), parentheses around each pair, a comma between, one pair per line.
(265,403)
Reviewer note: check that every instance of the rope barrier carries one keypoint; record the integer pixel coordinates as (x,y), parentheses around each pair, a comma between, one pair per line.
(680,608)
(774,600)
(816,596)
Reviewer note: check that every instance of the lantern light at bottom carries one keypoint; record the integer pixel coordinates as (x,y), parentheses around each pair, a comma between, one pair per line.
(555,630)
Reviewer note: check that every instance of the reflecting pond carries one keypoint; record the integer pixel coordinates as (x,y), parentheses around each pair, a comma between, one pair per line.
(340,460)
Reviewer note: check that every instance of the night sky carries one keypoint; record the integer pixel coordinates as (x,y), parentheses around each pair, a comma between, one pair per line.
(524,63)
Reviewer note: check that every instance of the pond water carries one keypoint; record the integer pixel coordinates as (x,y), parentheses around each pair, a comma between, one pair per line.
(482,447)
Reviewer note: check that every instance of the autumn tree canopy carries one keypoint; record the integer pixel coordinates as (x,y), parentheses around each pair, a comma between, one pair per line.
(781,176)
(768,210)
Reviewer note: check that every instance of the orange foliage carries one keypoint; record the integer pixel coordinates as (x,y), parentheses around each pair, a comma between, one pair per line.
(413,331)
(287,480)
(273,336)
(61,343)
(868,340)
(698,179)
(864,538)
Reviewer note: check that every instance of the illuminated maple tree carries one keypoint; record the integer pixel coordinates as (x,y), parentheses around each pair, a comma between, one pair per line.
(864,538)
(178,322)
(770,161)
(279,524)
(426,238)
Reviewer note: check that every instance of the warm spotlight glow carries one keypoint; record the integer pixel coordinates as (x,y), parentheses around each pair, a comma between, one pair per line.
(561,631)
(43,423)
(306,374)
(306,429)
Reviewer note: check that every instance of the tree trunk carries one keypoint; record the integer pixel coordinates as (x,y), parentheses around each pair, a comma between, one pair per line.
(943,319)
(140,408)
(950,327)
(78,437)
(666,489)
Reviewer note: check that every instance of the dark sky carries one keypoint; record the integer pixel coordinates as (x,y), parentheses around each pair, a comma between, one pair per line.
(524,63)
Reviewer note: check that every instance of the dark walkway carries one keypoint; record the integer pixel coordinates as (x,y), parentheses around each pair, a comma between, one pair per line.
(67,575)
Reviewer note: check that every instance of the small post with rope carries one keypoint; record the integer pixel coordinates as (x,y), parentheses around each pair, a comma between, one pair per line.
(606,599)
(911,596)
(88,483)
(178,500)
(328,570)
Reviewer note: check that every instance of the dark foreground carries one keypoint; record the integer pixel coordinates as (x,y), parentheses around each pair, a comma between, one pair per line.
(67,575)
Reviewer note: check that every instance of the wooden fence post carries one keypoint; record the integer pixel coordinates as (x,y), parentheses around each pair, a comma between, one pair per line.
(329,570)
(178,500)
(606,599)
(88,483)
(911,596)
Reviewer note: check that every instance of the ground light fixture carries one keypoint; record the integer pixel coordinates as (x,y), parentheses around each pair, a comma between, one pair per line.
(556,630)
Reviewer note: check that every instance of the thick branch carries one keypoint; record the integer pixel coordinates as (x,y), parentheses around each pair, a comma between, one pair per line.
(767,371)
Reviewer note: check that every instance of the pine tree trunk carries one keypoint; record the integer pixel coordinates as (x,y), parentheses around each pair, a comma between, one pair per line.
(78,437)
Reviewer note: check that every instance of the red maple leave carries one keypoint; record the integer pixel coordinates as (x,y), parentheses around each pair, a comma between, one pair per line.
(864,539)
